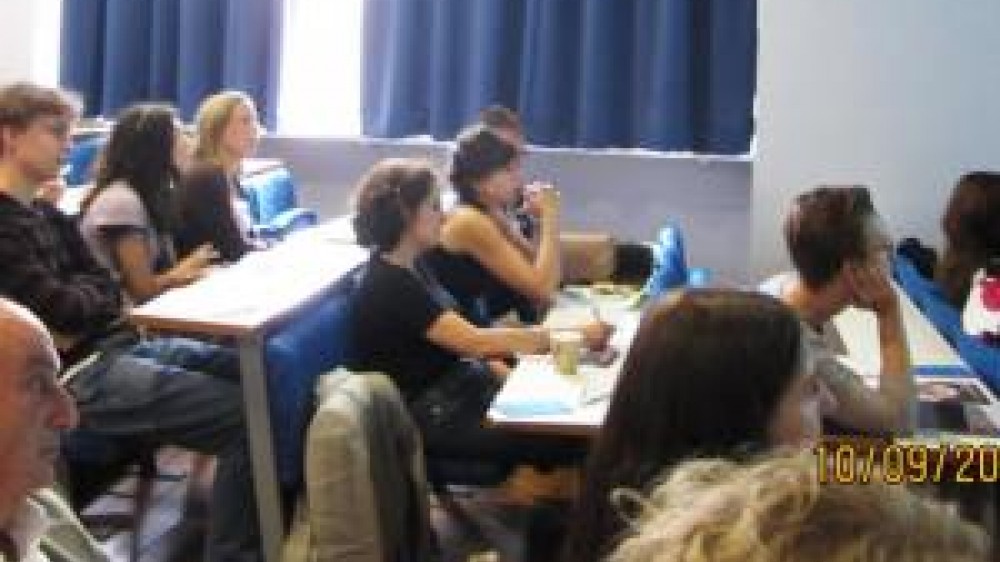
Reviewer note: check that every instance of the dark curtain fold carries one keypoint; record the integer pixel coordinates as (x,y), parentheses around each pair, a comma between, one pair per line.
(658,74)
(116,52)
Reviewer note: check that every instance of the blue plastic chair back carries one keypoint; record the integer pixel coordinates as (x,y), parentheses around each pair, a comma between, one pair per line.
(316,342)
(272,199)
(81,160)
(269,194)
(670,267)
(927,296)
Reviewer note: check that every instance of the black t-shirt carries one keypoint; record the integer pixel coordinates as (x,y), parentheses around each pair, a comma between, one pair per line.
(395,307)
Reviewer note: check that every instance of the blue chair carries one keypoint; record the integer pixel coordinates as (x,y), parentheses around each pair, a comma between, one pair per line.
(670,267)
(271,196)
(927,296)
(316,342)
(81,160)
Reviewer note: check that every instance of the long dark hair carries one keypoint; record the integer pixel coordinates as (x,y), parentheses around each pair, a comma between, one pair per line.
(478,153)
(971,226)
(140,152)
(703,377)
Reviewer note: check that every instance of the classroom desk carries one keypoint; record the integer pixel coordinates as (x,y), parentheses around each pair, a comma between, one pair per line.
(247,301)
(536,399)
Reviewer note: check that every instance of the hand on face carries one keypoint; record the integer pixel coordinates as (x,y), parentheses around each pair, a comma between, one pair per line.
(871,287)
(541,199)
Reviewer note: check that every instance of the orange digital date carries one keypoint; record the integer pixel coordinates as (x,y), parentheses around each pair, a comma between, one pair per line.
(846,463)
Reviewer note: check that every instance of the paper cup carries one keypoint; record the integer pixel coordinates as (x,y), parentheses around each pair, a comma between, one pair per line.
(566,346)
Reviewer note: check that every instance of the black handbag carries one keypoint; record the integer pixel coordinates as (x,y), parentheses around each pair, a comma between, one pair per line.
(457,398)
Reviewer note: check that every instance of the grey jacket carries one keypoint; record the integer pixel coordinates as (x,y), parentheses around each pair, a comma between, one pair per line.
(366,492)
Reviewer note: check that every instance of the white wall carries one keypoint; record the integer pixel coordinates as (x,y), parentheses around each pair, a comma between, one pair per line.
(902,95)
(29,40)
(631,195)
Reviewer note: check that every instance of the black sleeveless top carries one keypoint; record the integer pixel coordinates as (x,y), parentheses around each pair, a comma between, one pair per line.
(465,279)
(481,297)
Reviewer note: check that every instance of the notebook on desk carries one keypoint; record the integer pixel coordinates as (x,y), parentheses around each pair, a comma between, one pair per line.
(538,394)
(539,391)
(956,405)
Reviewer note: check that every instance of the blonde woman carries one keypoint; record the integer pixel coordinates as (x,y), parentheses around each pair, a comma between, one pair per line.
(211,207)
(776,510)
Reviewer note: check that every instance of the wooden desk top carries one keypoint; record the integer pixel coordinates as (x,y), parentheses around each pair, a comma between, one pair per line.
(247,297)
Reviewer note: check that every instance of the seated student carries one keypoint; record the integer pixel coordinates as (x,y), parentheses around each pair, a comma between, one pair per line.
(840,250)
(160,390)
(507,125)
(710,373)
(406,326)
(585,255)
(128,217)
(971,226)
(482,257)
(776,509)
(210,203)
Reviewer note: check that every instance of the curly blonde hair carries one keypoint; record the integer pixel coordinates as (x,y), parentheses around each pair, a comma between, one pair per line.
(775,509)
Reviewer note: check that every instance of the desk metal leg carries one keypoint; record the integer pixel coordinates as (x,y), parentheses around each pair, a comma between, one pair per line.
(258,420)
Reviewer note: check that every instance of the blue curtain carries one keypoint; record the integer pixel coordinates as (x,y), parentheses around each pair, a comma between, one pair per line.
(658,74)
(115,52)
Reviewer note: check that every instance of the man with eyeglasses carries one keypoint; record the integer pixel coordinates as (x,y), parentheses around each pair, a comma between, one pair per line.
(158,390)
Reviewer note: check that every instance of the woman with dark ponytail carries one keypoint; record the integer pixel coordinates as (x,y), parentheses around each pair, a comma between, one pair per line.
(483,259)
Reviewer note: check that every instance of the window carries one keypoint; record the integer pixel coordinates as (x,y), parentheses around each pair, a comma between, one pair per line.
(320,95)
(43,65)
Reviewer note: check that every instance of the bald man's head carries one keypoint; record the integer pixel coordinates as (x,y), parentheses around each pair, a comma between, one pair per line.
(34,408)
(18,318)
